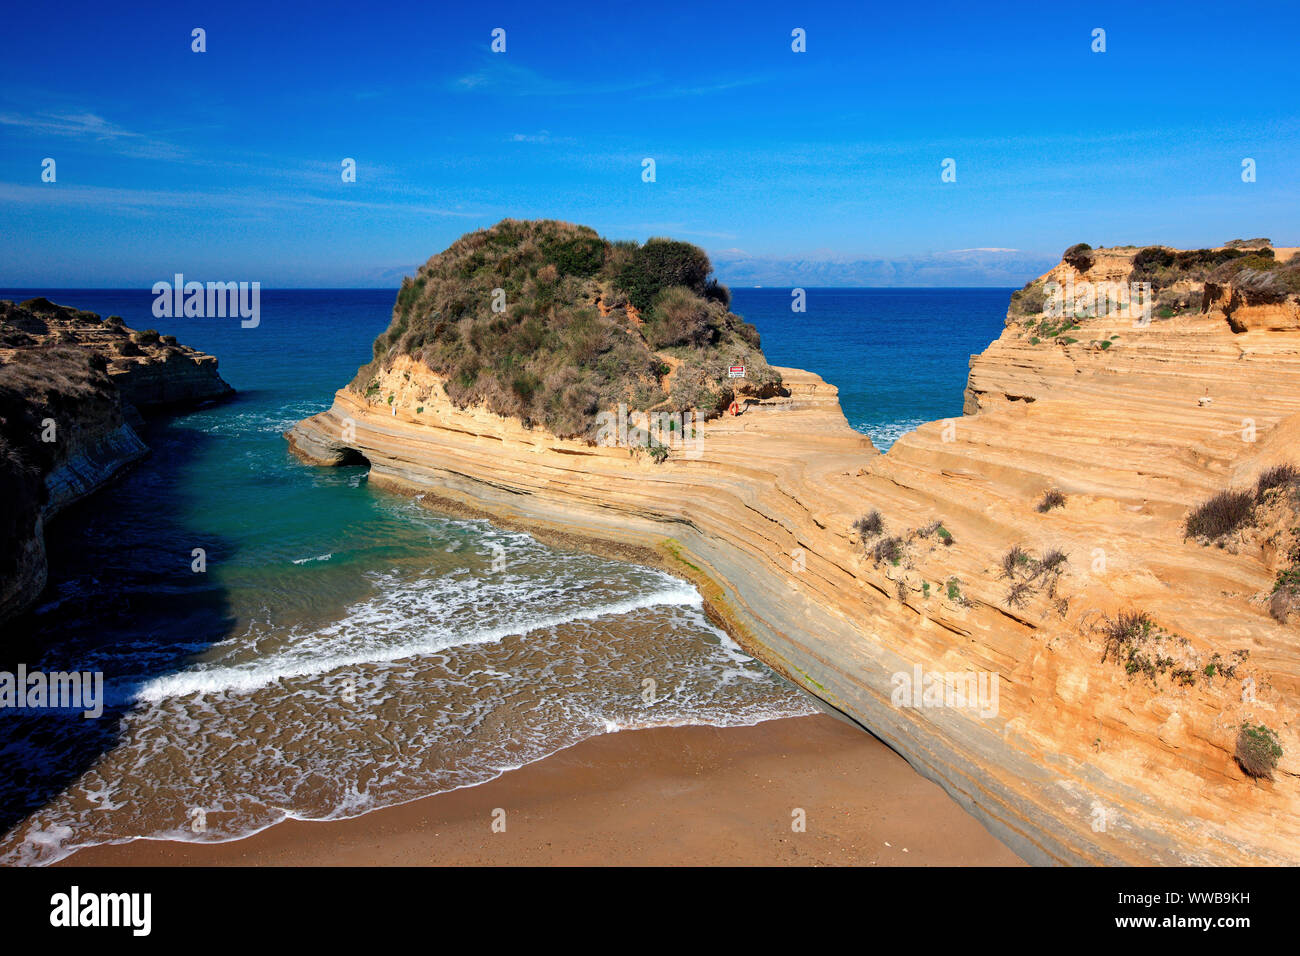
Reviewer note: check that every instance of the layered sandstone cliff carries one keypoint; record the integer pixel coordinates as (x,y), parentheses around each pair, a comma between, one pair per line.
(70,387)
(1084,760)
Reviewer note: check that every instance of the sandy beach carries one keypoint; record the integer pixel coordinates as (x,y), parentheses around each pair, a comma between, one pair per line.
(657,797)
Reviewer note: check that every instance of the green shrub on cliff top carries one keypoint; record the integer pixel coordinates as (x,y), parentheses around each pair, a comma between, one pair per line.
(680,317)
(1031,300)
(1163,267)
(577,255)
(1077,256)
(531,319)
(661,264)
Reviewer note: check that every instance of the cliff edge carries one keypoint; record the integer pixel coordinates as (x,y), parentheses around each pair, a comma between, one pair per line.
(70,387)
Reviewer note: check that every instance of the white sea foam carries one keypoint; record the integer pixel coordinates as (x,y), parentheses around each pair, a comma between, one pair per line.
(884,434)
(250,677)
(436,680)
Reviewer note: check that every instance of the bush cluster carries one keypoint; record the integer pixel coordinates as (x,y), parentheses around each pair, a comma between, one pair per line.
(1228,511)
(661,264)
(532,320)
(1163,267)
(870,525)
(1221,515)
(1077,256)
(1258,751)
(1052,498)
(1031,300)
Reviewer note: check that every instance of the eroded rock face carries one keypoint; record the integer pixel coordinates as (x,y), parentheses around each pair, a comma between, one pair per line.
(69,387)
(1252,310)
(1122,760)
(152,372)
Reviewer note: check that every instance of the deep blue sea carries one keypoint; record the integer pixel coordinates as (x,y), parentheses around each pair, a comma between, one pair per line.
(898,356)
(345,649)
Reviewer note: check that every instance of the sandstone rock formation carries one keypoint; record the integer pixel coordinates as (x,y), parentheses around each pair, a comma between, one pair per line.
(70,387)
(1103,748)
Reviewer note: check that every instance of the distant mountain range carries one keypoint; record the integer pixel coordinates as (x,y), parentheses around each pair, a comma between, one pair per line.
(962,267)
(997,268)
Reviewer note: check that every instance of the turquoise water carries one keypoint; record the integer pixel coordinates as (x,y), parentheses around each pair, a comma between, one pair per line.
(346,649)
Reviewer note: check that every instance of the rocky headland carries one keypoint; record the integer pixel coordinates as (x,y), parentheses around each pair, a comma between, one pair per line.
(1106,529)
(72,389)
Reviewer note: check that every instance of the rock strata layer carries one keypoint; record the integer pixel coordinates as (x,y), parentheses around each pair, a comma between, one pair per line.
(1087,755)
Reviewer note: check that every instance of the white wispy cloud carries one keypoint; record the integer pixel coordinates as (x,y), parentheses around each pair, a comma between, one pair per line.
(134,200)
(510,79)
(91,127)
(706,89)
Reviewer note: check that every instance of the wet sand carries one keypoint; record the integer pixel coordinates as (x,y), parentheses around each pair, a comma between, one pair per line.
(657,797)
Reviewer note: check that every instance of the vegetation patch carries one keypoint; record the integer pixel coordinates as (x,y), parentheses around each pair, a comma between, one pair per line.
(1052,498)
(1019,593)
(1218,667)
(1229,511)
(1053,560)
(870,525)
(1031,300)
(1134,639)
(1130,637)
(1285,599)
(674,548)
(888,549)
(1284,476)
(804,674)
(1259,277)
(1078,256)
(1220,516)
(1027,574)
(1258,751)
(1163,267)
(1016,561)
(549,323)
(935,529)
(1054,329)
(1172,302)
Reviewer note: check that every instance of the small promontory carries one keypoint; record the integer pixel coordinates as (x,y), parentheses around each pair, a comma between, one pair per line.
(548,323)
(71,386)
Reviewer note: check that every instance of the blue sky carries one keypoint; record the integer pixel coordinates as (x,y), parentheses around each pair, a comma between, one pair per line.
(226,164)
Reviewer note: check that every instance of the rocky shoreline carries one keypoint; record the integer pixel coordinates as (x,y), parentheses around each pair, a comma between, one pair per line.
(1086,760)
(73,389)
